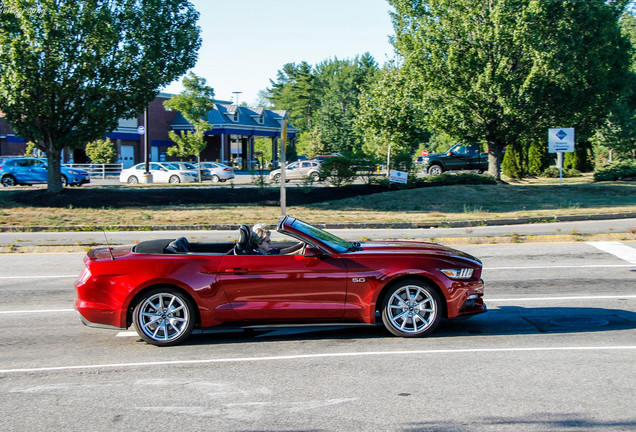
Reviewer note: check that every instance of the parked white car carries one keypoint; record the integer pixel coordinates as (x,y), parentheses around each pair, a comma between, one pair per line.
(218,171)
(161,173)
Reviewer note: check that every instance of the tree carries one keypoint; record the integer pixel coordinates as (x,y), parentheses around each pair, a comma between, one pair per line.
(389,117)
(69,69)
(194,103)
(504,71)
(101,151)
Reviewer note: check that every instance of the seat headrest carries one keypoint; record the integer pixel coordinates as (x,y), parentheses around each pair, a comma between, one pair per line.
(180,245)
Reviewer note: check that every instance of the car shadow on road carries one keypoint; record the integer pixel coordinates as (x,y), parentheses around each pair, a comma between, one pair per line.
(505,320)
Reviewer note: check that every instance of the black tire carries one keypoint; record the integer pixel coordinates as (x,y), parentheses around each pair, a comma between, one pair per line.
(411,308)
(8,181)
(435,170)
(276,178)
(215,178)
(132,180)
(174,179)
(64,181)
(164,317)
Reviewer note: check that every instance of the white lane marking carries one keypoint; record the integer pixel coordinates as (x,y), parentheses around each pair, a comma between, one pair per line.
(37,311)
(317,356)
(40,277)
(522,299)
(617,249)
(559,267)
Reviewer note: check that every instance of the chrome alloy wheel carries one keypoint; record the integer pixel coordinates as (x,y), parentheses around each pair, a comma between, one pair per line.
(412,309)
(164,318)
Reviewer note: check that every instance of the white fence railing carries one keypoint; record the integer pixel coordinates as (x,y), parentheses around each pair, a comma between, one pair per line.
(100,170)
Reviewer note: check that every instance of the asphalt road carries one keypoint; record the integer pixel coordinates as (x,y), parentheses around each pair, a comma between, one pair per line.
(556,351)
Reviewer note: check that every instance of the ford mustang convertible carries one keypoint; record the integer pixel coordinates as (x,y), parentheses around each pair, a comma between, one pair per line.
(167,288)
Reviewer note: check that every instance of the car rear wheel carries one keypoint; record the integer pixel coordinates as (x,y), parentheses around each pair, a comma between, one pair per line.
(314,177)
(435,170)
(8,181)
(164,317)
(411,308)
(133,180)
(174,179)
(215,178)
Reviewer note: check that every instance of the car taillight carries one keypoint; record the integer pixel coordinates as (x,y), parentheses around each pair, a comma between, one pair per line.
(84,275)
(226,169)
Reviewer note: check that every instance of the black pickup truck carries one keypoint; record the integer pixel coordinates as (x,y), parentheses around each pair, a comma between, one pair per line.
(458,158)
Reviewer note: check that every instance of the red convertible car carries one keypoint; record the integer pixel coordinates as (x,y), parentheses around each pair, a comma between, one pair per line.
(166,288)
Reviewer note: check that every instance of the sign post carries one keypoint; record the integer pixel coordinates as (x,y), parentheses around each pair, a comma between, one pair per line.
(560,140)
(283,191)
(146,177)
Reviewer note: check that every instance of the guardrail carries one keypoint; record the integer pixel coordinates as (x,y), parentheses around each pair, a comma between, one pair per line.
(100,170)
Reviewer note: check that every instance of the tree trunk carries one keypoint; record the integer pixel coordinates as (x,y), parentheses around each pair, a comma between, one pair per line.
(495,157)
(53,162)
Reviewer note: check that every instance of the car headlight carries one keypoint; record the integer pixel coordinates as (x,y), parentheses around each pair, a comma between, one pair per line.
(464,273)
(425,160)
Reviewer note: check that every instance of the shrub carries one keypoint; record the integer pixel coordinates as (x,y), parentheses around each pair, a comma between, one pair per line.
(554,172)
(513,164)
(337,170)
(616,171)
(460,178)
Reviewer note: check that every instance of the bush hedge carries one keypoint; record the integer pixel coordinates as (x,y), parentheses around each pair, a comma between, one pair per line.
(616,171)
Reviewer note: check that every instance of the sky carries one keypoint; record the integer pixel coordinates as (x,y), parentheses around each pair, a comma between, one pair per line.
(245,42)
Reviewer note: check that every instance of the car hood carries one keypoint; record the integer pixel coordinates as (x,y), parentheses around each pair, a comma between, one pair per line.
(414,247)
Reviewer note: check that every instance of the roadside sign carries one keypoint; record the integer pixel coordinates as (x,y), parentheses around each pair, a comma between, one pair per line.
(141,130)
(398,176)
(561,140)
(424,152)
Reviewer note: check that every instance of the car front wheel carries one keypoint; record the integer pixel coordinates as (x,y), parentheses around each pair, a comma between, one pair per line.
(64,181)
(133,180)
(314,177)
(435,170)
(411,308)
(164,317)
(8,181)
(276,178)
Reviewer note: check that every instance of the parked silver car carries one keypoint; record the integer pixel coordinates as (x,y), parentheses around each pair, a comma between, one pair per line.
(299,170)
(218,171)
(205,173)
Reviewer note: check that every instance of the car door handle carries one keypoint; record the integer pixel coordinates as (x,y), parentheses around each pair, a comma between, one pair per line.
(237,270)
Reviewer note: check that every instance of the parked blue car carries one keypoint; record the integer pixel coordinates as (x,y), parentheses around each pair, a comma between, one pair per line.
(28,170)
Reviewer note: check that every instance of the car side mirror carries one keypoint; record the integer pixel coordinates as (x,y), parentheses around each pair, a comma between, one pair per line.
(312,251)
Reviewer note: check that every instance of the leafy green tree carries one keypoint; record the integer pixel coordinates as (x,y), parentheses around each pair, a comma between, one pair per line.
(294,91)
(310,143)
(69,69)
(504,71)
(101,151)
(389,118)
(194,103)
(339,84)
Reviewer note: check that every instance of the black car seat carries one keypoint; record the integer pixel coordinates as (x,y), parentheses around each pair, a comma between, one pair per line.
(178,246)
(243,245)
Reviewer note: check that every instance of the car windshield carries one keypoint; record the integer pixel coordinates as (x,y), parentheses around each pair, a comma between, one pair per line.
(171,167)
(334,242)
